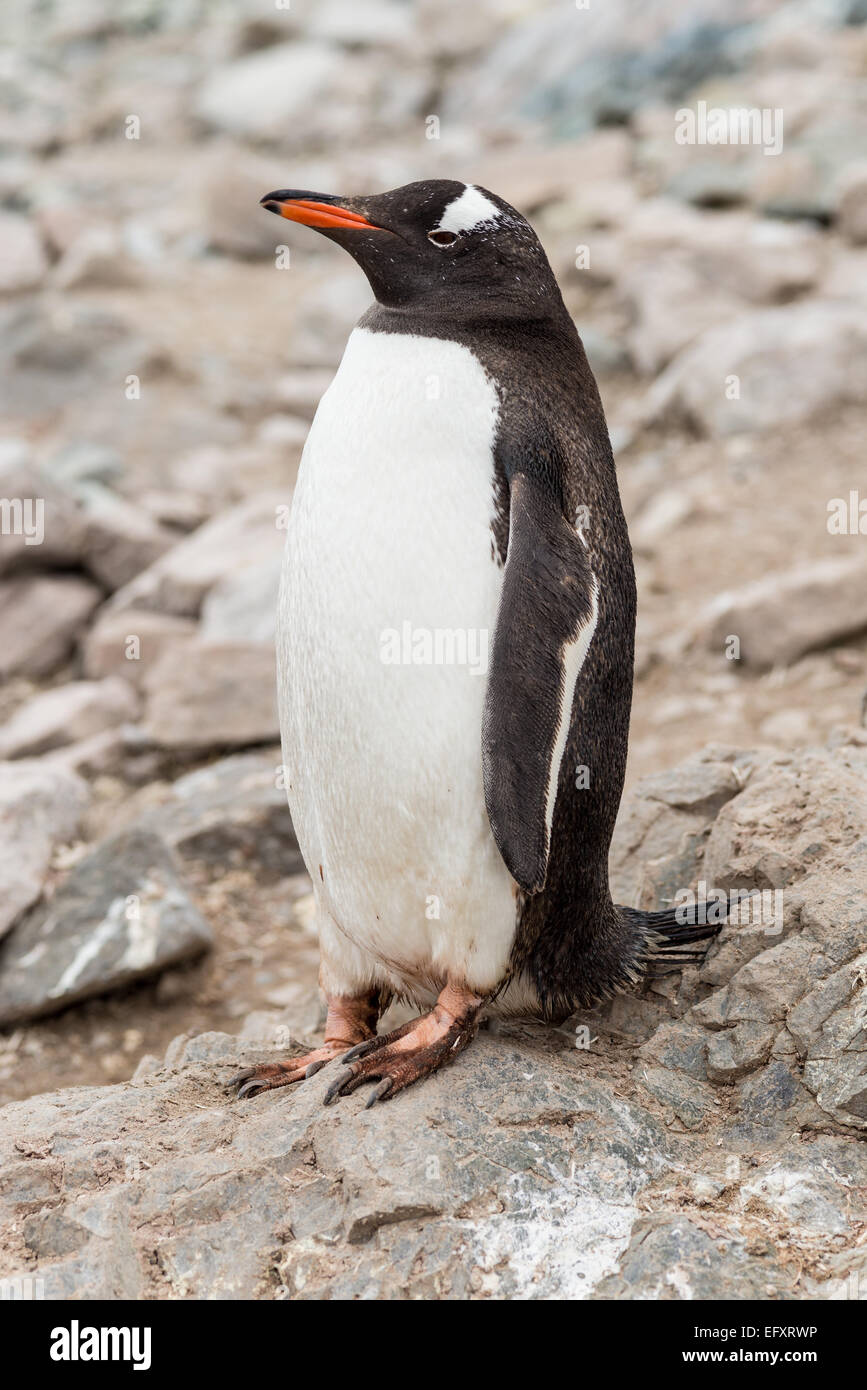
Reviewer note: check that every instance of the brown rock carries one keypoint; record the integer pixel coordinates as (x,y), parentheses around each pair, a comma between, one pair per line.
(70,712)
(221,696)
(129,644)
(779,618)
(40,620)
(179,580)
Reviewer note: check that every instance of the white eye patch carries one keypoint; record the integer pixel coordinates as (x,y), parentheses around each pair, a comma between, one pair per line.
(469,210)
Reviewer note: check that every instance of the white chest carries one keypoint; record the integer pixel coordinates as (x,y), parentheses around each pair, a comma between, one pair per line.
(388,608)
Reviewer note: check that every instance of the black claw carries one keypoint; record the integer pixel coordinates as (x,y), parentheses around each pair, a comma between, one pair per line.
(336,1087)
(250,1089)
(241,1077)
(314,1068)
(360,1050)
(380,1092)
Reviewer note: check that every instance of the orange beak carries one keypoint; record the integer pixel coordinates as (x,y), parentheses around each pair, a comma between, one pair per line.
(316,210)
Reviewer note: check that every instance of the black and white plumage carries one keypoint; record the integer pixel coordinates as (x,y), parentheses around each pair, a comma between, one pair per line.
(458,478)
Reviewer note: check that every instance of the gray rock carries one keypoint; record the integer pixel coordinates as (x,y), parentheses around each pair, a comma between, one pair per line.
(179,581)
(784,615)
(571,184)
(572,77)
(130,643)
(232,813)
(96,258)
(758,841)
(762,990)
(82,462)
(97,754)
(42,523)
(832,905)
(40,808)
(222,695)
(381,23)
(659,838)
(123,914)
(736,1051)
(852,206)
(814,167)
(765,370)
(823,138)
(325,315)
(678,1046)
(69,712)
(673,1257)
(682,274)
(807,1192)
(120,538)
(739,942)
(267,94)
(836,1066)
(40,619)
(774,1099)
(59,357)
(302,389)
(683,1097)
(228,191)
(805,1021)
(242,606)
(96,1218)
(842,1276)
(670,305)
(22,260)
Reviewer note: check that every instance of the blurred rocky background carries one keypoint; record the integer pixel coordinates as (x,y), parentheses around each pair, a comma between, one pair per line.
(164,343)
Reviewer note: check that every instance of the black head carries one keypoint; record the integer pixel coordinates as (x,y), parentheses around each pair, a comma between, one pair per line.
(437,245)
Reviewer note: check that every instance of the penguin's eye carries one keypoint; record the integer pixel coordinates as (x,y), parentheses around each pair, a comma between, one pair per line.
(442,238)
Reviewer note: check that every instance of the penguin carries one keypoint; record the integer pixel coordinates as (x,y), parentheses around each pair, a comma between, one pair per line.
(455,650)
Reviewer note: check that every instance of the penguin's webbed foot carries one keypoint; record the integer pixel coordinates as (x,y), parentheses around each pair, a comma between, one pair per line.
(351,1019)
(395,1060)
(268,1075)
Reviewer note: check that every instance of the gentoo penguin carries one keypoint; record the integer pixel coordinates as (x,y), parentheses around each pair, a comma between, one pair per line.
(455,648)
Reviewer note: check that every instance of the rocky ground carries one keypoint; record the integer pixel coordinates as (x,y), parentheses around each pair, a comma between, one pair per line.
(702,1140)
(162,357)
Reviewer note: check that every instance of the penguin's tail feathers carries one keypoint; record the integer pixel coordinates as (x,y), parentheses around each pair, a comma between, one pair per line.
(676,936)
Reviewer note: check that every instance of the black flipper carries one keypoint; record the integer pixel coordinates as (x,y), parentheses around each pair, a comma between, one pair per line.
(545,623)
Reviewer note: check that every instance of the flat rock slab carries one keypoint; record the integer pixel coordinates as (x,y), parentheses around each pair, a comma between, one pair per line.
(509,1174)
(123,914)
(523,1171)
